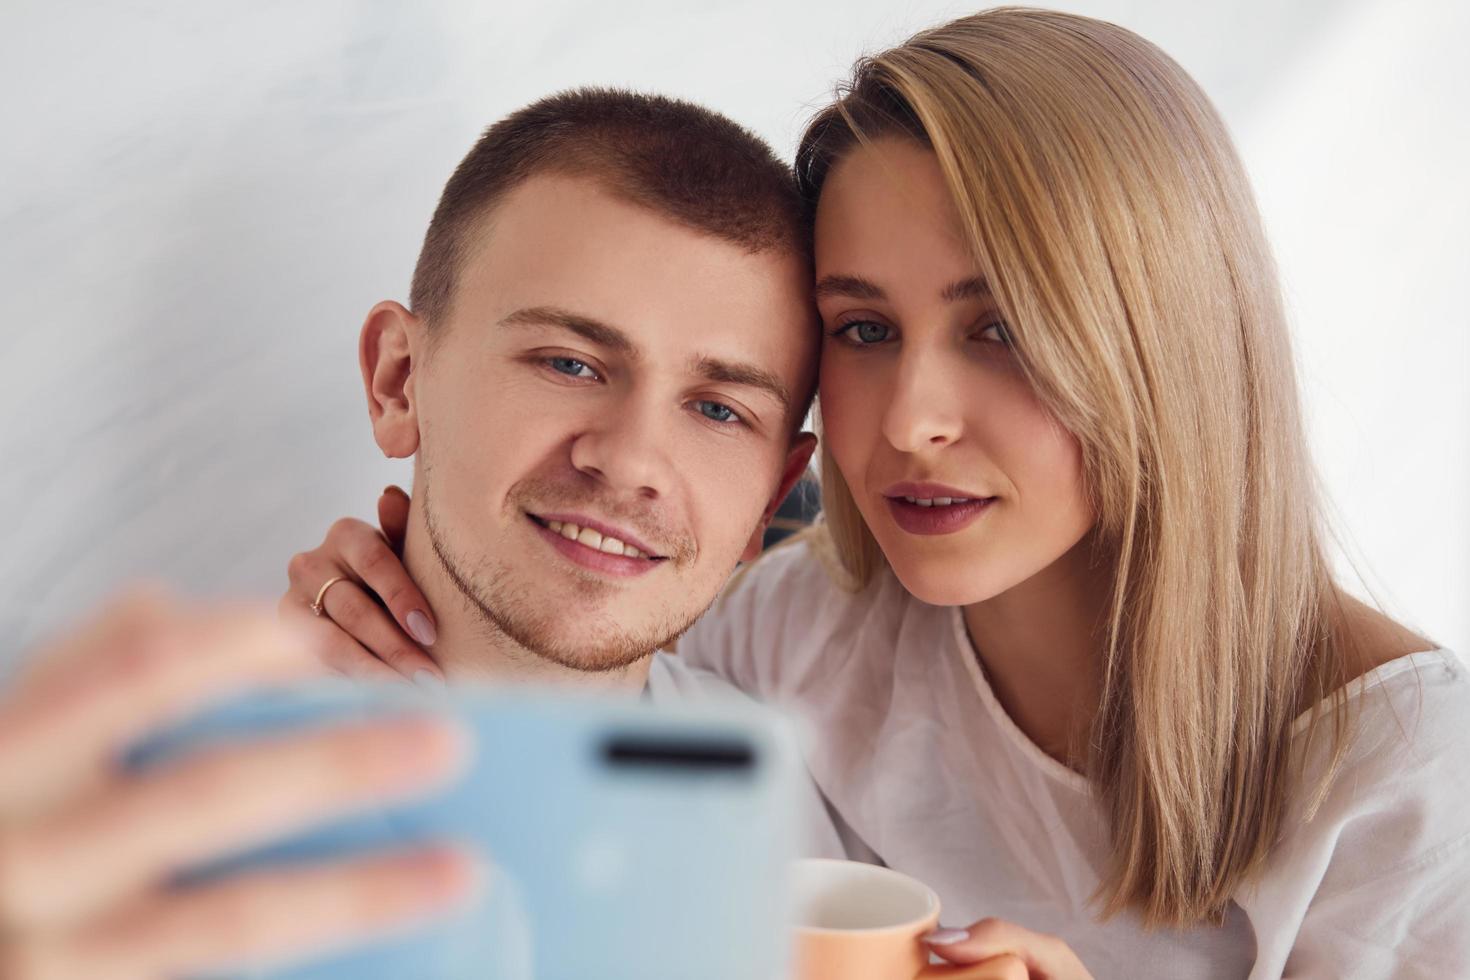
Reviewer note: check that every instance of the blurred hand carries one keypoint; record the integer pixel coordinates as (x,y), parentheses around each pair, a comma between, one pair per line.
(86,849)
(1001,950)
(358,637)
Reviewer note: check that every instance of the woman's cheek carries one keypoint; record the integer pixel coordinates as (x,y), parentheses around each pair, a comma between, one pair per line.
(843,424)
(1048,472)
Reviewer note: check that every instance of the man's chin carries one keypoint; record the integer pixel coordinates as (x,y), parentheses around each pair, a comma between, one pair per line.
(558,613)
(572,629)
(598,651)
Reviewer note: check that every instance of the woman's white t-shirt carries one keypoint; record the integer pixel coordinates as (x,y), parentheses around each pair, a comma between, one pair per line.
(917,766)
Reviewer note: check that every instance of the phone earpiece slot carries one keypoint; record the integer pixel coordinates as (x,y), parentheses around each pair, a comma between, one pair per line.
(648,751)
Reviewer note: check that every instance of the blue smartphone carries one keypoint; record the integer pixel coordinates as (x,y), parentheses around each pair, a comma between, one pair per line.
(626,841)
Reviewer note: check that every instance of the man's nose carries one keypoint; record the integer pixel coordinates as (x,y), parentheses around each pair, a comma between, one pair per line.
(627,446)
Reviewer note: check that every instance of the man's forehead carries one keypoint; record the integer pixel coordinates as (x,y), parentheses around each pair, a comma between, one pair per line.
(583,250)
(571,228)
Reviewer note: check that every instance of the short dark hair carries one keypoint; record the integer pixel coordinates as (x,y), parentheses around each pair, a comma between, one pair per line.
(683,161)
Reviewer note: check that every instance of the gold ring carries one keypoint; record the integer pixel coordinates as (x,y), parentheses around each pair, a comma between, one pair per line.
(317,606)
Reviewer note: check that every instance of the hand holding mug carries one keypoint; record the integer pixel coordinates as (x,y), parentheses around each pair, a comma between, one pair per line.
(863,922)
(1040,957)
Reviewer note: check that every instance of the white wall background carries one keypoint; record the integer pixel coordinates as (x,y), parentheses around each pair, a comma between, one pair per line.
(199,202)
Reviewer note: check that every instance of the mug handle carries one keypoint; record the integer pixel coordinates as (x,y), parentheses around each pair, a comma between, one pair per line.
(989,970)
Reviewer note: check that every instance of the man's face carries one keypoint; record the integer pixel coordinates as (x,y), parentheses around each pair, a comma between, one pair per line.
(605,417)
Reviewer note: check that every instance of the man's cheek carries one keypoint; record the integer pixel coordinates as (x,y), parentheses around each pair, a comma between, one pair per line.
(729,518)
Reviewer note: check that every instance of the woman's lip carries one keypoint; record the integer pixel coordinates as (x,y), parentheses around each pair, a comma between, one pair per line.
(928,491)
(939,519)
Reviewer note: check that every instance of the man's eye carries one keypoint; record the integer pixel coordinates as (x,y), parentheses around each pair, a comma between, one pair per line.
(862,333)
(571,367)
(716,412)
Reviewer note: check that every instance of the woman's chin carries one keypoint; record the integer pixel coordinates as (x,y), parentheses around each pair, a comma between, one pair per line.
(944,586)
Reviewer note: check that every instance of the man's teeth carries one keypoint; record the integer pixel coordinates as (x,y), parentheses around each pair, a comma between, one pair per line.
(594,540)
(937,501)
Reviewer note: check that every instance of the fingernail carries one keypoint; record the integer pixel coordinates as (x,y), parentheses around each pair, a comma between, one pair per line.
(390,488)
(421,629)
(946,937)
(429,681)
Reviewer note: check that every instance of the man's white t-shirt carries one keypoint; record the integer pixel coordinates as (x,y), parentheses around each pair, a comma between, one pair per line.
(915,764)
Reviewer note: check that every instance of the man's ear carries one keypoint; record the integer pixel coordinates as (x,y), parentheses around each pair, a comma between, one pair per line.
(797,457)
(392,338)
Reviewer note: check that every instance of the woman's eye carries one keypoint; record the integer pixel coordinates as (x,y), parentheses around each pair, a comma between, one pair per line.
(997,332)
(716,412)
(571,367)
(862,333)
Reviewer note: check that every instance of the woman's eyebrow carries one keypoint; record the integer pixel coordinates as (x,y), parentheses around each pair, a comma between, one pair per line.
(856,287)
(853,287)
(974,287)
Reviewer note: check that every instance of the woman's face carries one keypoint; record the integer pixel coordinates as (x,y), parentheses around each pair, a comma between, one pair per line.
(969,485)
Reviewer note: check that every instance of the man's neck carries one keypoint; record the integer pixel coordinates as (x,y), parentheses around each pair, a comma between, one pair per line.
(470,649)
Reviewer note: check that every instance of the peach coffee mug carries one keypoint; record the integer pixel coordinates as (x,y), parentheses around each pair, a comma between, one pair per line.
(859,921)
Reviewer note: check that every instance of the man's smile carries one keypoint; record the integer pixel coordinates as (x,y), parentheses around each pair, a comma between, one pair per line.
(596,546)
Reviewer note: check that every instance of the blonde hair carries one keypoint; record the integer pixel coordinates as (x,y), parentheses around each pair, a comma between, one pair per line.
(1113,220)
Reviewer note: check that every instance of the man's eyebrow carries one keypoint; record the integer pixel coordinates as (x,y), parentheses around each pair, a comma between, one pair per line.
(730,372)
(856,287)
(709,368)
(596,331)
